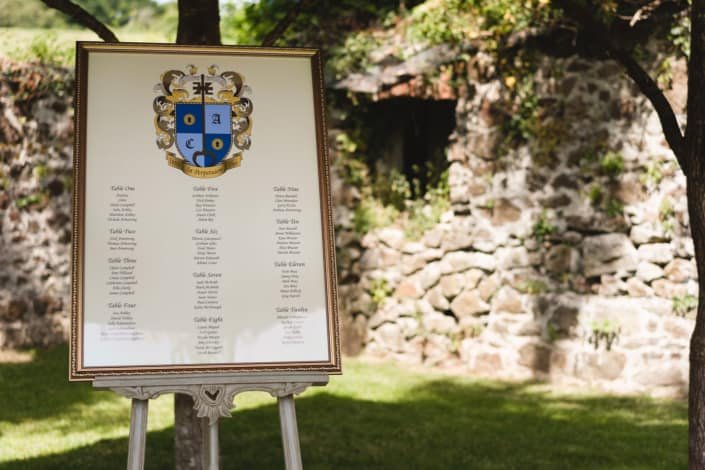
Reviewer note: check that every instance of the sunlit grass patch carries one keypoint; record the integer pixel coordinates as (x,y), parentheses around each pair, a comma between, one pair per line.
(377,415)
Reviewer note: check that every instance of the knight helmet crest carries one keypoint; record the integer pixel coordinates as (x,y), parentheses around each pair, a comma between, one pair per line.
(203,120)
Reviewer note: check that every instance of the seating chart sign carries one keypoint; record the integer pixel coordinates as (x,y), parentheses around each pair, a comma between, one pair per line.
(203,239)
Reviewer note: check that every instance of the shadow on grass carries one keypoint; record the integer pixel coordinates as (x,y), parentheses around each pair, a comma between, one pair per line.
(444,423)
(40,389)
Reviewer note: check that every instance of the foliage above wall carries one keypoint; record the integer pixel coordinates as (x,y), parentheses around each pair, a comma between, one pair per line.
(116,13)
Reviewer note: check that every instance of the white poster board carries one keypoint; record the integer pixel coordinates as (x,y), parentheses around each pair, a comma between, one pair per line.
(202,227)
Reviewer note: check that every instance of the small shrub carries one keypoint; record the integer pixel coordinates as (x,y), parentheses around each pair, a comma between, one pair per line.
(683,304)
(591,154)
(612,164)
(595,195)
(425,213)
(532,286)
(392,188)
(345,144)
(614,207)
(523,121)
(666,210)
(371,214)
(379,291)
(353,171)
(40,172)
(679,35)
(552,332)
(666,214)
(653,174)
(543,227)
(605,331)
(25,202)
(664,73)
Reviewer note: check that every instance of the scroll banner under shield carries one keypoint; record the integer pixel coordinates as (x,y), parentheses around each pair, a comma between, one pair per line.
(203,172)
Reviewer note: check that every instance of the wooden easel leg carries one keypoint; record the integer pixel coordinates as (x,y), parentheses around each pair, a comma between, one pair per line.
(290,433)
(138,434)
(211,446)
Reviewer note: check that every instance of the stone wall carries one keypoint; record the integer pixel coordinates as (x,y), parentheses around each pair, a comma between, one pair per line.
(36,131)
(530,275)
(555,262)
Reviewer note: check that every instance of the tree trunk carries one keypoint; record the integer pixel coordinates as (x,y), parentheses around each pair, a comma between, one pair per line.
(695,171)
(199,23)
(696,394)
(188,439)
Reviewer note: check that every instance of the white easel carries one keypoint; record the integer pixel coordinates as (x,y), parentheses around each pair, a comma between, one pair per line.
(213,397)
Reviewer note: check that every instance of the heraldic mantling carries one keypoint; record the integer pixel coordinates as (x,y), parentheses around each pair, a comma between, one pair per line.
(204,117)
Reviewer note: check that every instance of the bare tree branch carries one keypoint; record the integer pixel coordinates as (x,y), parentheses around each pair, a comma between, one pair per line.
(285,22)
(601,35)
(84,18)
(647,85)
(644,12)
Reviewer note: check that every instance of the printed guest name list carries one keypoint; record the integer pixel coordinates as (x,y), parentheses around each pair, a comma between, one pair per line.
(207,274)
(121,283)
(290,265)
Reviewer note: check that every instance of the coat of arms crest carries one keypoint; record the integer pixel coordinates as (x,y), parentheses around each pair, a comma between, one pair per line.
(205,117)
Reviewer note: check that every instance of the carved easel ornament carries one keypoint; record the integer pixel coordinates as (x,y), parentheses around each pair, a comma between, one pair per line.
(212,401)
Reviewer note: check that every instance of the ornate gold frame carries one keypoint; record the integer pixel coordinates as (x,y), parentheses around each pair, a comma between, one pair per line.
(77,371)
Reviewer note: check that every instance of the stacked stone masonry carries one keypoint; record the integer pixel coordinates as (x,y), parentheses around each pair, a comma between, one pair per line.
(529,276)
(36,137)
(599,298)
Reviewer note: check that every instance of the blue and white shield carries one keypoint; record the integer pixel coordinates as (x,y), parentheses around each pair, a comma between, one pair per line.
(203,132)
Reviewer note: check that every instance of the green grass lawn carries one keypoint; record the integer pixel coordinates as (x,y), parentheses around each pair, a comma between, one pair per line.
(374,416)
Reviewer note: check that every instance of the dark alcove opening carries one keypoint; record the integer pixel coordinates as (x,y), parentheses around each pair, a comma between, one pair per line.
(410,135)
